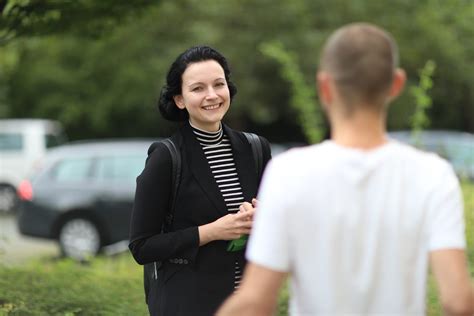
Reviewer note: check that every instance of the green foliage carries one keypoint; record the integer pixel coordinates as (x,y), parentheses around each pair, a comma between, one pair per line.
(8,62)
(25,18)
(283,300)
(105,85)
(93,94)
(468,194)
(111,286)
(303,98)
(420,119)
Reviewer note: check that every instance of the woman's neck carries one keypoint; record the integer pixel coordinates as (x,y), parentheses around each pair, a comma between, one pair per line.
(209,129)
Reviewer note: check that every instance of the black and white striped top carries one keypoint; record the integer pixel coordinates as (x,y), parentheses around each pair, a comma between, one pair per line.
(218,152)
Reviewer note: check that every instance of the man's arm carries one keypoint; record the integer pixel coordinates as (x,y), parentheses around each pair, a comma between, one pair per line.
(257,294)
(454,285)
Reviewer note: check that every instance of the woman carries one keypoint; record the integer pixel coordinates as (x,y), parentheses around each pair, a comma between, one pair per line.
(217,176)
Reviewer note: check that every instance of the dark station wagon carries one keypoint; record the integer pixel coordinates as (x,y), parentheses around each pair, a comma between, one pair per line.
(82,195)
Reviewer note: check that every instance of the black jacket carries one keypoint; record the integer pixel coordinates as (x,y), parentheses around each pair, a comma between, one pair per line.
(193,280)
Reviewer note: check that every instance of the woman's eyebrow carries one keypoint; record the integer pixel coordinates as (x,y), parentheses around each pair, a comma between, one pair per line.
(199,82)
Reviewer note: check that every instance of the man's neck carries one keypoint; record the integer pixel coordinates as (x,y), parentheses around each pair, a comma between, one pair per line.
(362,130)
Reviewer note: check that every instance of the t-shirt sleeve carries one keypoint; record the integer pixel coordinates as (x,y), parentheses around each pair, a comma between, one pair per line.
(446,213)
(269,240)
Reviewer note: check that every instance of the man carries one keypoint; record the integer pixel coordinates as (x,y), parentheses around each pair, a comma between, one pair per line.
(356,219)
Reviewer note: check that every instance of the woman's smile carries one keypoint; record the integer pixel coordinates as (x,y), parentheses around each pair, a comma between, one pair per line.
(212,107)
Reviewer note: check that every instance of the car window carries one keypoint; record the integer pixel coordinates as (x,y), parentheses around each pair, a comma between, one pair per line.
(125,168)
(71,170)
(11,141)
(53,140)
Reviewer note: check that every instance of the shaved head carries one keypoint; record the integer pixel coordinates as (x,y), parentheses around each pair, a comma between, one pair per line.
(361,59)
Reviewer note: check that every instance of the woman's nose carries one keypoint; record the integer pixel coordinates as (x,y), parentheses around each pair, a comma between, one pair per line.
(211,93)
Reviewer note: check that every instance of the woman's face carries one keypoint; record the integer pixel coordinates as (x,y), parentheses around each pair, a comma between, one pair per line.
(204,94)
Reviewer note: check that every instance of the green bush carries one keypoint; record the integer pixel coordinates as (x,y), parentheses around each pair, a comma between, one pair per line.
(105,286)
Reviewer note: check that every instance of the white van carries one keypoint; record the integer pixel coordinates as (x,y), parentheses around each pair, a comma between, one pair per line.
(22,143)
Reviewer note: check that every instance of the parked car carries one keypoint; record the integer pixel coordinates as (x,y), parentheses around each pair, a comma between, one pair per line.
(456,147)
(22,143)
(83,194)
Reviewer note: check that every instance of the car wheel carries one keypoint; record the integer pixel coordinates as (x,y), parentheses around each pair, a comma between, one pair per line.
(8,198)
(79,239)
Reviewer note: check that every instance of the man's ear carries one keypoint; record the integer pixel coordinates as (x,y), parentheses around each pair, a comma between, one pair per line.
(324,88)
(178,99)
(398,83)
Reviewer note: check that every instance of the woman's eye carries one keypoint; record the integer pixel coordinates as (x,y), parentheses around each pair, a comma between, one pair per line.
(196,89)
(220,84)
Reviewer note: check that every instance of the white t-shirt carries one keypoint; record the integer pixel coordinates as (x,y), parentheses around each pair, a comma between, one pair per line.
(354,228)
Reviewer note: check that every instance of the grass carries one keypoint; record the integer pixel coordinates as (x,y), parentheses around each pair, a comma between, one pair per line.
(105,286)
(113,285)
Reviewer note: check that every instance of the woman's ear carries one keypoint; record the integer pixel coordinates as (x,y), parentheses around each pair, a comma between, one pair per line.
(178,99)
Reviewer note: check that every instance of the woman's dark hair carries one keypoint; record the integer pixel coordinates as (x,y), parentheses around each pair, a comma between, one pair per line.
(166,104)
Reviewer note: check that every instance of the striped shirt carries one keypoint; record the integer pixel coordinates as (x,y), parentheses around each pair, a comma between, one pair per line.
(218,152)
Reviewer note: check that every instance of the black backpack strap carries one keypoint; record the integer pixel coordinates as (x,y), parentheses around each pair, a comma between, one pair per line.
(151,269)
(257,151)
(175,179)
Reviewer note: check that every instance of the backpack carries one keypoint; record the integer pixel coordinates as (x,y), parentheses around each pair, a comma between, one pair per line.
(150,270)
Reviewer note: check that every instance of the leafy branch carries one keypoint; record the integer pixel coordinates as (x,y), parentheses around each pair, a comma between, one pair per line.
(420,120)
(303,98)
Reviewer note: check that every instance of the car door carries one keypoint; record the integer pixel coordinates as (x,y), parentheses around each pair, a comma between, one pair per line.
(116,176)
(67,186)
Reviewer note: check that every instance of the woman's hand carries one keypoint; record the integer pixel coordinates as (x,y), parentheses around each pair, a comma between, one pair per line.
(248,208)
(228,227)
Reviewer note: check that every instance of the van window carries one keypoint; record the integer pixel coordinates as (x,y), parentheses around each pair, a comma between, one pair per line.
(71,170)
(120,168)
(11,141)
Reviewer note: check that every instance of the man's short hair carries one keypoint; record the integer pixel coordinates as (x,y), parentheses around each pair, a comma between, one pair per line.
(361,58)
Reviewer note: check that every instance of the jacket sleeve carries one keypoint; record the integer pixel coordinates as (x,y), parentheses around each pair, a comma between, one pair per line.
(153,191)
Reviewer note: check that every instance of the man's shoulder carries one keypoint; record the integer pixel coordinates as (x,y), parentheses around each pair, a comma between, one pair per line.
(419,157)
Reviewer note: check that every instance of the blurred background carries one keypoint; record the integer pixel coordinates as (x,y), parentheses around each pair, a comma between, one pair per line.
(76,74)
(98,66)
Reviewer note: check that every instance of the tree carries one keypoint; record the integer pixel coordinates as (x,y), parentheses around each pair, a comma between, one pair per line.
(102,86)
(25,18)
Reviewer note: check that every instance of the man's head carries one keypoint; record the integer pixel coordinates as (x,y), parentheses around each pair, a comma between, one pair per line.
(358,68)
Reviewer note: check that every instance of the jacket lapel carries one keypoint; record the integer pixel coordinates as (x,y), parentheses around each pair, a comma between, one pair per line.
(200,169)
(244,162)
(199,166)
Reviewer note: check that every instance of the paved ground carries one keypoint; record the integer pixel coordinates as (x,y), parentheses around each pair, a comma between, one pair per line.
(17,249)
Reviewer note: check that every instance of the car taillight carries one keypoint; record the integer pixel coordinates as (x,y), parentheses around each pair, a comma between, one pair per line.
(25,190)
